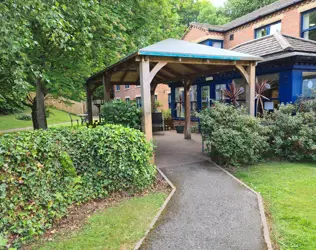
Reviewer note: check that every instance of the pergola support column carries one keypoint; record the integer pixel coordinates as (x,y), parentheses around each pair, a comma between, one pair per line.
(89,104)
(107,87)
(187,109)
(250,76)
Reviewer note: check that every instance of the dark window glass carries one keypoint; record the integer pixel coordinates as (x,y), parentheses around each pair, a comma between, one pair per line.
(118,87)
(309,25)
(231,37)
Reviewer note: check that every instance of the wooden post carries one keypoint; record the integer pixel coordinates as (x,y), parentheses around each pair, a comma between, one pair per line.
(144,76)
(89,104)
(107,87)
(251,89)
(187,111)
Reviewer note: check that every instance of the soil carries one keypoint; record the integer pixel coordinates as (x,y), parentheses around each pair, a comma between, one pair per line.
(78,215)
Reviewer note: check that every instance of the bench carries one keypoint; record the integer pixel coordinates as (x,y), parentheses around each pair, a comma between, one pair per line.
(72,120)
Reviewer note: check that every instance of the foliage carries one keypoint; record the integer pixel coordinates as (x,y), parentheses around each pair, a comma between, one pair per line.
(288,191)
(120,112)
(232,136)
(238,8)
(260,88)
(44,172)
(211,15)
(23,117)
(118,227)
(166,114)
(293,134)
(233,93)
(306,104)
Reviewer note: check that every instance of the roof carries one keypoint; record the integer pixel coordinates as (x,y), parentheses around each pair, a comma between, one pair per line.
(180,48)
(266,10)
(275,44)
(185,58)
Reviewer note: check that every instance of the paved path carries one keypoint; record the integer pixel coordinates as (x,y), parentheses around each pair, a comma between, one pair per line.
(209,210)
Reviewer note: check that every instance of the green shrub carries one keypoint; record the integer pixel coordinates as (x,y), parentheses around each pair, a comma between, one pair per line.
(166,114)
(23,117)
(293,134)
(232,136)
(43,172)
(119,112)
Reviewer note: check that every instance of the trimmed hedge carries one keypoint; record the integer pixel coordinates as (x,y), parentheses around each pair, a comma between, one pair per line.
(43,172)
(232,136)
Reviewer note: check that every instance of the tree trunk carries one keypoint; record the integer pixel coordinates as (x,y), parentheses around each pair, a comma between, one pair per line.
(34,116)
(40,106)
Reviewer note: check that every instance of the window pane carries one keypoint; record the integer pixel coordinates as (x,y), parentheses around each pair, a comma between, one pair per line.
(217,44)
(193,94)
(241,83)
(273,85)
(309,84)
(311,34)
(219,96)
(261,32)
(205,90)
(309,20)
(275,28)
(180,102)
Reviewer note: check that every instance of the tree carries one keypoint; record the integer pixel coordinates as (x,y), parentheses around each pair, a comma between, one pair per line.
(51,46)
(238,8)
(210,14)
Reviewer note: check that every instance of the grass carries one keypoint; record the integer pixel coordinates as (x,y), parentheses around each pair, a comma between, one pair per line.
(289,193)
(10,122)
(118,227)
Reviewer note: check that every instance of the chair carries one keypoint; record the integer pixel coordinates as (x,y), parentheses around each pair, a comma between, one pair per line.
(72,120)
(158,121)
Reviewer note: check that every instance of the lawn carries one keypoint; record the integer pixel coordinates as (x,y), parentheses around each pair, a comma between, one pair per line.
(118,227)
(289,193)
(10,122)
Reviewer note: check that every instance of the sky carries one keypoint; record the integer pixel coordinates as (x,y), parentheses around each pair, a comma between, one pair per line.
(218,3)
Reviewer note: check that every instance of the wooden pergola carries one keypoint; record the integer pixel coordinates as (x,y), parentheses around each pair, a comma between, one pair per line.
(171,61)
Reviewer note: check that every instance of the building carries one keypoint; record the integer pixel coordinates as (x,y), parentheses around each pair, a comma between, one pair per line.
(282,33)
(132,92)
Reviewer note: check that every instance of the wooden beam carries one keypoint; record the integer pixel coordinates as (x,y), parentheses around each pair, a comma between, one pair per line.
(243,71)
(155,70)
(144,76)
(198,61)
(170,71)
(123,76)
(187,109)
(107,87)
(89,104)
(252,88)
(192,67)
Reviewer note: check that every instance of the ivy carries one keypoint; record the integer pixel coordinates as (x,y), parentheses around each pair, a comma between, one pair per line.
(42,173)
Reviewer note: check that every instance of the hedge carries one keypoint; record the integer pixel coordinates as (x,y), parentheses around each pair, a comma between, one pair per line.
(42,173)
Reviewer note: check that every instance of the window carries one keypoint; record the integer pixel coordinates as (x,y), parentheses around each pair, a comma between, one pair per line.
(118,87)
(309,84)
(219,96)
(127,86)
(213,43)
(139,102)
(309,25)
(193,98)
(169,101)
(268,30)
(127,99)
(231,37)
(205,91)
(156,98)
(179,102)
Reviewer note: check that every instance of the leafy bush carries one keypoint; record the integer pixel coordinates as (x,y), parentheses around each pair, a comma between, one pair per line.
(166,114)
(43,172)
(119,112)
(293,134)
(23,117)
(232,136)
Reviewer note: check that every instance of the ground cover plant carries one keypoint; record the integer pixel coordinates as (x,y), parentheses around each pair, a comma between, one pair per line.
(117,227)
(43,172)
(289,191)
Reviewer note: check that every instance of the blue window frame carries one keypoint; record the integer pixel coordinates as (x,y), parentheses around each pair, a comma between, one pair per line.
(127,86)
(169,100)
(308,24)
(268,29)
(118,87)
(213,43)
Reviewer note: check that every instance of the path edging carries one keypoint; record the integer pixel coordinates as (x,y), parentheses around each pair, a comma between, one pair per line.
(265,228)
(153,222)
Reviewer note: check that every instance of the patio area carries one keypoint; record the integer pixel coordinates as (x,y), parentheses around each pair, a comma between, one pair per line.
(209,210)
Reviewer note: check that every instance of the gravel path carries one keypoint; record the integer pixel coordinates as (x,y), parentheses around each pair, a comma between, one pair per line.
(209,210)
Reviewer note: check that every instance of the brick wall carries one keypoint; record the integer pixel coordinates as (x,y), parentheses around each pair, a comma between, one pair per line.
(290,25)
(134,91)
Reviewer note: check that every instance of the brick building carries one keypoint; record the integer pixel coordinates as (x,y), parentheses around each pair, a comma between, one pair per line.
(282,33)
